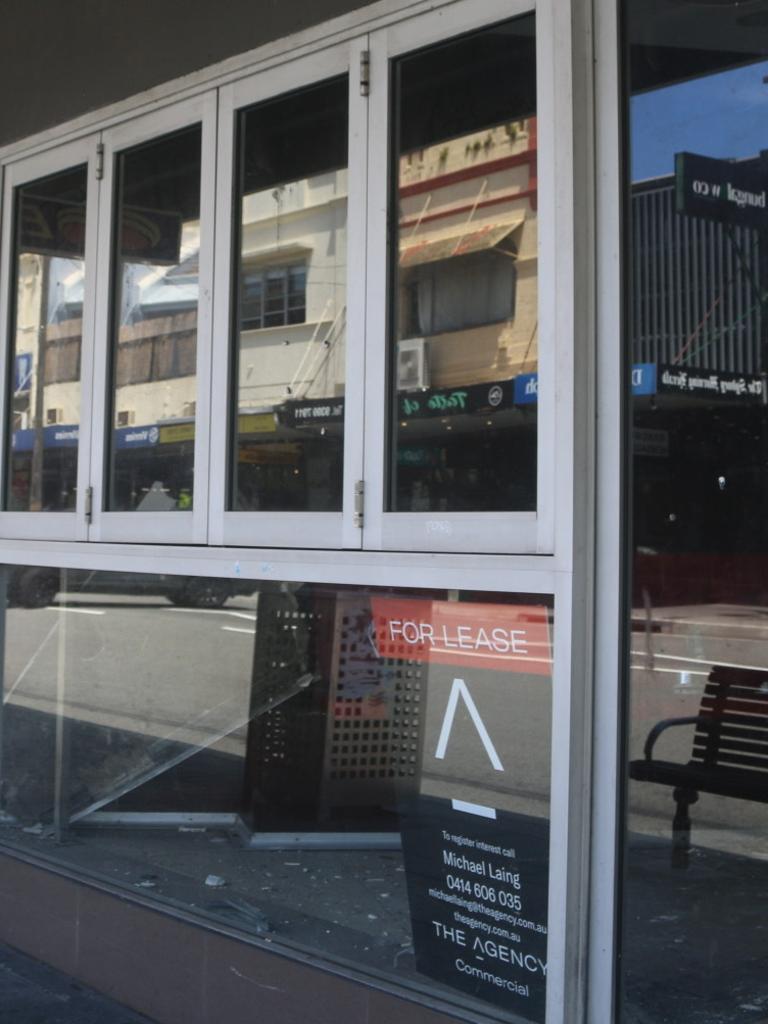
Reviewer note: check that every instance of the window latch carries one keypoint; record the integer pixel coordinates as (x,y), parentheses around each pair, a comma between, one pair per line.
(359,503)
(88,504)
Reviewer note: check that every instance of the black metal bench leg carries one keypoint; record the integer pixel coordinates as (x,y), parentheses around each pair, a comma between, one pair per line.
(681,826)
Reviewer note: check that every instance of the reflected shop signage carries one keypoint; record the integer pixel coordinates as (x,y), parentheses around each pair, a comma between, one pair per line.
(311,412)
(471,398)
(672,379)
(731,191)
(476,859)
(65,436)
(687,380)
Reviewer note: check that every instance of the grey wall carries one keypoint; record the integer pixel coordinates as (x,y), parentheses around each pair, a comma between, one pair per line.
(61,58)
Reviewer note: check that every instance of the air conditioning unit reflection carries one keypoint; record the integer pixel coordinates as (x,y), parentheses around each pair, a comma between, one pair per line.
(412,364)
(126,417)
(54,416)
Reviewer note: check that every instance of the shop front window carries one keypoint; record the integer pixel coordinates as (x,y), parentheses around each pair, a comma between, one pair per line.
(290,326)
(698,660)
(154,373)
(359,772)
(464,317)
(46,339)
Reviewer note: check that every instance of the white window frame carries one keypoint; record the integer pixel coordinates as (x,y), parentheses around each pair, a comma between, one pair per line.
(289,529)
(172,526)
(49,525)
(507,532)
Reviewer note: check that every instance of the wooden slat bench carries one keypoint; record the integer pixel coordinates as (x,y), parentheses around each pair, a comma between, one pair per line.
(730,749)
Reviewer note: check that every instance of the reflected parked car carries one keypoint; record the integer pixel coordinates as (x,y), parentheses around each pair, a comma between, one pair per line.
(37,586)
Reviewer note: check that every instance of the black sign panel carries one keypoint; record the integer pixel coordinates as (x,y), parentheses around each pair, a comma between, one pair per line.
(477,888)
(724,190)
(312,412)
(455,401)
(702,383)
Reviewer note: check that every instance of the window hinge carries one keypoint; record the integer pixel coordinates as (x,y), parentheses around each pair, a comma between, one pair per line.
(88,504)
(100,161)
(365,73)
(359,503)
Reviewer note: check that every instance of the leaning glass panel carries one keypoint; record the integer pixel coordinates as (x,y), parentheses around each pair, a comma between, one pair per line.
(696,868)
(154,345)
(361,773)
(464,293)
(290,314)
(46,336)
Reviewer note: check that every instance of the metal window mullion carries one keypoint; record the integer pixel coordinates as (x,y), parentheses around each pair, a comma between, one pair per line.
(653,260)
(732,279)
(715,293)
(743,295)
(642,278)
(722,291)
(669,269)
(687,281)
(612,395)
(677,282)
(663,265)
(635,338)
(695,286)
(753,361)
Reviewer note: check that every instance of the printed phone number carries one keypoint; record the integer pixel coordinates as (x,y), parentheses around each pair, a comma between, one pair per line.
(481,891)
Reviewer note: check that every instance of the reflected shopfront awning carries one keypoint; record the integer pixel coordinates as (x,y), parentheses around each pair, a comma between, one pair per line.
(463,243)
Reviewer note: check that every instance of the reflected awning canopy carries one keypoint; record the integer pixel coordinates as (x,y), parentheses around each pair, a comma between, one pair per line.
(490,236)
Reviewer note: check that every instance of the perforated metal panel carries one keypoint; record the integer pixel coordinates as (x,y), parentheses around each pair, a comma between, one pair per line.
(374,730)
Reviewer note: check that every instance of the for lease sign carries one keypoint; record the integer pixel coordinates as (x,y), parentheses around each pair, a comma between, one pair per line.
(508,638)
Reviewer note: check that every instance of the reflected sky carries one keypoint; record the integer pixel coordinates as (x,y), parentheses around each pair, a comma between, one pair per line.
(721,115)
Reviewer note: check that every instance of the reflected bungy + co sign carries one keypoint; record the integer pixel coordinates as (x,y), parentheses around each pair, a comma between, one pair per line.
(730,191)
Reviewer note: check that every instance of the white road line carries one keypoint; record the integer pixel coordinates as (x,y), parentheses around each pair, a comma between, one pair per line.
(251,617)
(697,661)
(236,629)
(70,608)
(707,623)
(674,671)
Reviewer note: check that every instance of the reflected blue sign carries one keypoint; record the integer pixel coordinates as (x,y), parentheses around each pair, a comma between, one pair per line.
(644,379)
(136,437)
(526,388)
(64,436)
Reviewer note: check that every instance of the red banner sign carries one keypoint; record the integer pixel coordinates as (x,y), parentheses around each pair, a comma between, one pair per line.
(504,637)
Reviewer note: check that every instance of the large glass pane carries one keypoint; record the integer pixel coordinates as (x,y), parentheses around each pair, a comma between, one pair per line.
(46,336)
(358,772)
(290,325)
(464,310)
(154,344)
(696,840)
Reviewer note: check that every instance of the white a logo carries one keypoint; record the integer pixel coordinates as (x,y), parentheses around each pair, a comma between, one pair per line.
(459,689)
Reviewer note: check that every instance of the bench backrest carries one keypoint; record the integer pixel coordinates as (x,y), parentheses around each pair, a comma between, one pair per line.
(735,702)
